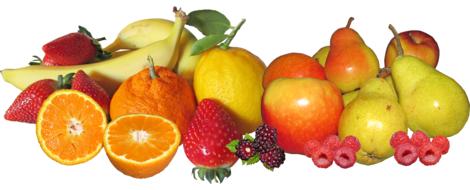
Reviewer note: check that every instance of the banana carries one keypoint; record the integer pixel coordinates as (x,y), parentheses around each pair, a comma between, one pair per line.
(112,72)
(144,32)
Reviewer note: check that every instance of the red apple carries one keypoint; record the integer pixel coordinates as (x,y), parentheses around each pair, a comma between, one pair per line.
(415,43)
(293,65)
(301,109)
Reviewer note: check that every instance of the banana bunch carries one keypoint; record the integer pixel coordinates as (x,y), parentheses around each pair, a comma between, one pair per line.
(169,43)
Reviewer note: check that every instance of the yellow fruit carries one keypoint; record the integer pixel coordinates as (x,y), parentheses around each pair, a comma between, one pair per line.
(234,77)
(70,127)
(141,145)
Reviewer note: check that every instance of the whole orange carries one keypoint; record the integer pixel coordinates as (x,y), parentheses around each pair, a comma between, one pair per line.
(167,94)
(293,65)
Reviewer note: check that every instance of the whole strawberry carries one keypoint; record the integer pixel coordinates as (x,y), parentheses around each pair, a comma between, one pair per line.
(26,106)
(210,130)
(72,49)
(82,82)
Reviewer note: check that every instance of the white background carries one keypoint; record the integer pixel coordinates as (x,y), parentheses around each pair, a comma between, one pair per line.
(271,29)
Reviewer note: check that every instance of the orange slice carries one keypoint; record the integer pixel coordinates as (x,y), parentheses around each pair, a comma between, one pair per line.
(70,127)
(141,145)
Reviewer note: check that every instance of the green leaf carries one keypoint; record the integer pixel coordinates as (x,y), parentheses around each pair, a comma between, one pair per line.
(209,21)
(232,146)
(252,160)
(249,137)
(201,173)
(207,43)
(210,174)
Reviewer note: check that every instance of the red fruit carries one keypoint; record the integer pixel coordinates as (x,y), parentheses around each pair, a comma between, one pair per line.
(332,142)
(398,138)
(419,139)
(345,157)
(73,49)
(26,106)
(429,154)
(351,142)
(323,157)
(210,130)
(310,147)
(406,154)
(442,143)
(82,82)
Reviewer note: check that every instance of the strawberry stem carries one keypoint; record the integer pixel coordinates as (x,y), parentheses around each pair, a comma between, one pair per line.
(36,60)
(100,53)
(65,82)
(211,174)
(153,74)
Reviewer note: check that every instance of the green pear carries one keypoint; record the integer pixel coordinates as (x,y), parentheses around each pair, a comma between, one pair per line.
(373,117)
(321,55)
(433,102)
(349,97)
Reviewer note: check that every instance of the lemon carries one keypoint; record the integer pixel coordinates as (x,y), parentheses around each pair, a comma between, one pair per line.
(233,77)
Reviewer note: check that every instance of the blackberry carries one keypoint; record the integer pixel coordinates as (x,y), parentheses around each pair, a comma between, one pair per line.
(273,158)
(245,150)
(266,138)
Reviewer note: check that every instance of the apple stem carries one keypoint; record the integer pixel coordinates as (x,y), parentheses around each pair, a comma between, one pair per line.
(153,74)
(349,22)
(397,38)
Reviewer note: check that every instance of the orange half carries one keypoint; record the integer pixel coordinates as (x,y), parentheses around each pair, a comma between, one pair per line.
(141,145)
(70,127)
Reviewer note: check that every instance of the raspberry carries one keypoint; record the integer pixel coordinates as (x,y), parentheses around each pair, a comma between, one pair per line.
(429,154)
(345,157)
(419,139)
(442,143)
(406,154)
(323,157)
(245,150)
(398,138)
(273,158)
(266,138)
(332,142)
(351,142)
(310,147)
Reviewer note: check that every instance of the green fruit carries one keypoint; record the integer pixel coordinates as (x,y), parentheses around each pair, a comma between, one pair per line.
(321,55)
(433,102)
(349,97)
(373,117)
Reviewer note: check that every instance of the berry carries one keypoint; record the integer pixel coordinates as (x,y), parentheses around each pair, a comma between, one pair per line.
(245,150)
(83,83)
(442,143)
(323,157)
(345,157)
(429,154)
(265,139)
(406,154)
(273,158)
(351,142)
(332,142)
(210,130)
(310,147)
(398,138)
(419,139)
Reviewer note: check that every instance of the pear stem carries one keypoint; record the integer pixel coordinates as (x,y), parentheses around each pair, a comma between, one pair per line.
(153,74)
(397,38)
(232,34)
(349,22)
(384,72)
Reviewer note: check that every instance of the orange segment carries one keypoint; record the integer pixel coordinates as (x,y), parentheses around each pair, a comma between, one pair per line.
(70,127)
(141,145)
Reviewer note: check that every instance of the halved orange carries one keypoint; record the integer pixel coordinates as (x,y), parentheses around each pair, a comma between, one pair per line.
(70,127)
(141,145)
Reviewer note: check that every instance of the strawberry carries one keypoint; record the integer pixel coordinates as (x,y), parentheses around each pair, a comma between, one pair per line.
(72,49)
(210,130)
(82,82)
(26,106)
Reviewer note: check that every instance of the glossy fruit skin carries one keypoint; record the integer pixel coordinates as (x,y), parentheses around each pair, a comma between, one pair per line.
(26,106)
(211,129)
(83,83)
(169,95)
(310,110)
(72,49)
(293,65)
(415,43)
(234,78)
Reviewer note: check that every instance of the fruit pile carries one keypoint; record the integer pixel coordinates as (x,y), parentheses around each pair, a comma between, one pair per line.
(157,87)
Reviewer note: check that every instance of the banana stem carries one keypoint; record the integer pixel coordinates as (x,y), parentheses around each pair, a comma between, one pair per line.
(232,34)
(153,74)
(397,38)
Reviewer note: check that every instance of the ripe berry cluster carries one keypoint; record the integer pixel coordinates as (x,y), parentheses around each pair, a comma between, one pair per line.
(332,149)
(407,150)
